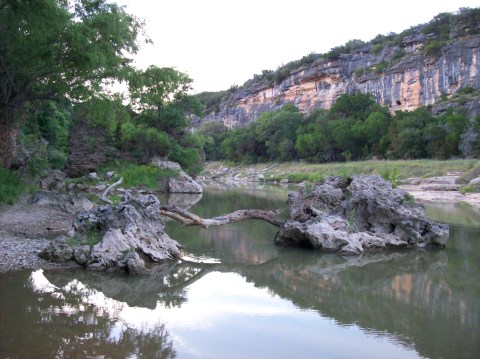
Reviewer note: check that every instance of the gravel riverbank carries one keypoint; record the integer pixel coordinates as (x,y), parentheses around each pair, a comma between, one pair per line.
(26,229)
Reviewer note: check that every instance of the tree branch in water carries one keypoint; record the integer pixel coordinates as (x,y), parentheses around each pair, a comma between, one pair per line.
(190,219)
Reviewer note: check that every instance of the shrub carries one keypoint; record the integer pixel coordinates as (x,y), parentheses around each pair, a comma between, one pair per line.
(469,188)
(391,174)
(11,186)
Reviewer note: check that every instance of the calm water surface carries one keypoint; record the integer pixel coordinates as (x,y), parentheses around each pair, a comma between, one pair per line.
(236,295)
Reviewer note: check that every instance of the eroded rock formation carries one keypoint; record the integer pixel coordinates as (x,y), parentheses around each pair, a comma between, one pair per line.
(129,234)
(364,213)
(341,215)
(406,84)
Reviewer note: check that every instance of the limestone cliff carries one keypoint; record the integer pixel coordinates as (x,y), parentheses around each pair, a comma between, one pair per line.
(399,77)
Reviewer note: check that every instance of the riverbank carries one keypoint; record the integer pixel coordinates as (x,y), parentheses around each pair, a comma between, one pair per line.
(425,180)
(25,230)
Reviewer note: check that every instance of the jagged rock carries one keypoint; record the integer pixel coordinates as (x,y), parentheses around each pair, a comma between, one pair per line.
(81,254)
(351,216)
(58,252)
(168,165)
(109,175)
(135,227)
(184,184)
(92,176)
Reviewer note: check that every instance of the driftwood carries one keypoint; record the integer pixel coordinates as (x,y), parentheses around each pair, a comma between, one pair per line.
(190,219)
(109,188)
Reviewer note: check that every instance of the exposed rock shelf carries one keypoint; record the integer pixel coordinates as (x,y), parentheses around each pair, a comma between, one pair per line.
(416,80)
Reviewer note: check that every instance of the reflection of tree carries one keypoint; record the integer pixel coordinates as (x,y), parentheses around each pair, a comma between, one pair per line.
(74,322)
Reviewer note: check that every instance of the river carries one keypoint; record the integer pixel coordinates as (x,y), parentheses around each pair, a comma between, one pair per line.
(236,295)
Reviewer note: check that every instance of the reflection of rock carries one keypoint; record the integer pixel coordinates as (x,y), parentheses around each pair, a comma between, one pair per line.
(184,200)
(366,213)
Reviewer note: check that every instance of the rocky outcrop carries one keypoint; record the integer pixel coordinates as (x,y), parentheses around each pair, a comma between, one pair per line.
(183,184)
(129,234)
(350,216)
(406,84)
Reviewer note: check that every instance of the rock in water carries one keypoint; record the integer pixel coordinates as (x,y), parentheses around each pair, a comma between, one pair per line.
(351,216)
(130,233)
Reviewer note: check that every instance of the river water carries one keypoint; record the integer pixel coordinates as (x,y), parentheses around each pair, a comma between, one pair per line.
(236,295)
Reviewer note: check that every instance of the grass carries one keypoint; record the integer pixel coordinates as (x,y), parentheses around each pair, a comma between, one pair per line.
(469,188)
(147,176)
(401,170)
(11,186)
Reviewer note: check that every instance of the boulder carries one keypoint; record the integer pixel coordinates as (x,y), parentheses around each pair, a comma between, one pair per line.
(350,216)
(168,165)
(475,182)
(54,180)
(133,227)
(183,183)
(58,252)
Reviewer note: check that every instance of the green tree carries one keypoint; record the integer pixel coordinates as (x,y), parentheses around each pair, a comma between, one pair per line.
(52,49)
(158,127)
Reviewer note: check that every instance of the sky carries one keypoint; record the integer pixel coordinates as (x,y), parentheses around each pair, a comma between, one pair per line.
(220,43)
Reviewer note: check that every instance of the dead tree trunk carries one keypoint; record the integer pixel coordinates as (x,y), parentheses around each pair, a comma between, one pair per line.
(190,219)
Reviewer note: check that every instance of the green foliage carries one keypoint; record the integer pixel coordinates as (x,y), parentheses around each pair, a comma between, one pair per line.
(434,48)
(11,186)
(380,67)
(148,176)
(212,100)
(214,133)
(391,174)
(469,188)
(188,158)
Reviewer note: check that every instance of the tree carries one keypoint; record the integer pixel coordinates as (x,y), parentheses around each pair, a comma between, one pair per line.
(56,49)
(161,105)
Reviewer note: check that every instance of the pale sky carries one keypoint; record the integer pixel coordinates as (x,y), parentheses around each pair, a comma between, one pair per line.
(220,43)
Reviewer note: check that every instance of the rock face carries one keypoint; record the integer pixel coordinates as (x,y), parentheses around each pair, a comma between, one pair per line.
(352,216)
(129,234)
(183,184)
(416,80)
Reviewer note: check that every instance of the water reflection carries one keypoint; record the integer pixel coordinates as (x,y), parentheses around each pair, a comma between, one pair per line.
(44,320)
(253,299)
(411,295)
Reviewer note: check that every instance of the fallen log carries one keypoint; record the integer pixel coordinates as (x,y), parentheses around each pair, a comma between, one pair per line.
(190,219)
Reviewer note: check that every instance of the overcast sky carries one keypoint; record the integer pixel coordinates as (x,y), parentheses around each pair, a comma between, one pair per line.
(220,43)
